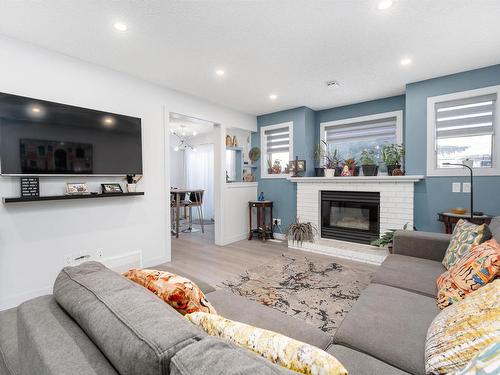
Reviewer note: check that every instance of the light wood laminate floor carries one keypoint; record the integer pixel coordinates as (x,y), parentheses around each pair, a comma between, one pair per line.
(196,254)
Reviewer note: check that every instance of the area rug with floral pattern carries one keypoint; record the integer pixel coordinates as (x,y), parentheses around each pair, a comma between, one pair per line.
(318,289)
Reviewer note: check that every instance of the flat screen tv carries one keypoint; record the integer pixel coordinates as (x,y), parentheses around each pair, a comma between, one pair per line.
(38,137)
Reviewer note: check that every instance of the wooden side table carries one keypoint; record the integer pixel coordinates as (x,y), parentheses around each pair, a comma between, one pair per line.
(262,229)
(449,219)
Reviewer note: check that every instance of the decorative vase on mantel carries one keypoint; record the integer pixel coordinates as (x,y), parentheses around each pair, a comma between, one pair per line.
(397,171)
(329,172)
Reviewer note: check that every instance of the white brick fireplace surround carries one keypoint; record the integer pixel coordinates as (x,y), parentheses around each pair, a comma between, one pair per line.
(396,209)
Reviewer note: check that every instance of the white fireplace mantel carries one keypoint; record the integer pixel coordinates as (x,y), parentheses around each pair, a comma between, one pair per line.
(360,179)
(396,209)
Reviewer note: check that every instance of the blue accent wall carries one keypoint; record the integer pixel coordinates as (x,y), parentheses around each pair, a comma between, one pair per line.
(434,194)
(281,191)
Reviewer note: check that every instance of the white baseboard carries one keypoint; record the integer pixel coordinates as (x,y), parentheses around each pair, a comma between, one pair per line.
(232,239)
(280,236)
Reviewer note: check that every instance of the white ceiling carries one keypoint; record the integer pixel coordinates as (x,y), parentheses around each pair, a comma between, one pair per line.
(286,47)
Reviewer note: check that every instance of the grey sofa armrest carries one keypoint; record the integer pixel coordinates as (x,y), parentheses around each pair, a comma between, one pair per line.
(425,245)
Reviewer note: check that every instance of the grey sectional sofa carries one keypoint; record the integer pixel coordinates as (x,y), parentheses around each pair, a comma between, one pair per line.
(97,322)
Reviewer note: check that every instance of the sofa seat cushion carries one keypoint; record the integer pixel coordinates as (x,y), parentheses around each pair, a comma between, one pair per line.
(52,343)
(358,363)
(215,356)
(391,325)
(9,359)
(135,330)
(243,310)
(204,286)
(410,273)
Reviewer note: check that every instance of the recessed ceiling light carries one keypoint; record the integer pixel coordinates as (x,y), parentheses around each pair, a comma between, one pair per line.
(194,133)
(120,26)
(405,61)
(332,84)
(384,4)
(220,72)
(273,96)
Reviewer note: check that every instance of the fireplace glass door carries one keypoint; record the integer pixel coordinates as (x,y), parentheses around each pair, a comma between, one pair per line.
(350,216)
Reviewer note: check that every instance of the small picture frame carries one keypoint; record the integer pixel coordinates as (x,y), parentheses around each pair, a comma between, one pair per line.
(77,188)
(112,188)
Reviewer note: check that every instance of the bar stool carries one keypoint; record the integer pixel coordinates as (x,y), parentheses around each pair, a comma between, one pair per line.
(196,200)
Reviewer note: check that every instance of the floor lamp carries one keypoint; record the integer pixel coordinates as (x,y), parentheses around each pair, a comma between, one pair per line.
(471,187)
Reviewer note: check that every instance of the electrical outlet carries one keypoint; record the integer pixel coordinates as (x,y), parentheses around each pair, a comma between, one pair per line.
(99,253)
(276,221)
(68,260)
(466,187)
(456,187)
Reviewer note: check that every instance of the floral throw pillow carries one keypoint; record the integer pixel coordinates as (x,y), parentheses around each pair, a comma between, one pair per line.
(281,350)
(461,331)
(180,293)
(475,269)
(465,236)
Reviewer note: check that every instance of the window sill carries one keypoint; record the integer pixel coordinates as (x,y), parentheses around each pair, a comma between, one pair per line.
(462,172)
(271,176)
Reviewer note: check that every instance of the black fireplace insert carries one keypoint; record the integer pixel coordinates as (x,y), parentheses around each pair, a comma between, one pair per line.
(352,216)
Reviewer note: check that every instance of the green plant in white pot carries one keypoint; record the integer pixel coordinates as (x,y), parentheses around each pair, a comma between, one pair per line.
(392,155)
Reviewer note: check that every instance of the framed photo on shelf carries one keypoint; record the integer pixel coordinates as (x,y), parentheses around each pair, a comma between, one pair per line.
(77,188)
(113,188)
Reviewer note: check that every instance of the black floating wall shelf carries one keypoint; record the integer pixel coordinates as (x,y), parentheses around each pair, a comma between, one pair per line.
(67,197)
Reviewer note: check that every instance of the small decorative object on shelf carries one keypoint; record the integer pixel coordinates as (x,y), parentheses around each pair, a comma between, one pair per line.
(132,180)
(370,168)
(111,188)
(349,168)
(297,166)
(261,197)
(392,155)
(229,141)
(254,154)
(235,141)
(77,188)
(30,187)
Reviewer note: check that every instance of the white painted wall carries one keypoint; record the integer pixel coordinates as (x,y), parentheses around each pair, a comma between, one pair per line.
(35,237)
(177,178)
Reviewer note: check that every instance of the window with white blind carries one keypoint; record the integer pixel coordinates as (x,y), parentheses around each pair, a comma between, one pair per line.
(277,149)
(351,136)
(463,126)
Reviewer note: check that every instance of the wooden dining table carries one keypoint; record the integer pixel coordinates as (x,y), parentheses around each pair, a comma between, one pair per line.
(178,192)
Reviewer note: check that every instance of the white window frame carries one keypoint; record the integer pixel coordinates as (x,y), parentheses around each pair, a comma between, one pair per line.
(377,116)
(263,147)
(432,169)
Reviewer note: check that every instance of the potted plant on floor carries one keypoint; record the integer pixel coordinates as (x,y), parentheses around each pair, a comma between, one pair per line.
(299,233)
(392,155)
(368,163)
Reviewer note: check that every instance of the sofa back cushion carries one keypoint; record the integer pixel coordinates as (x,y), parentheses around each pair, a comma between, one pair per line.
(495,228)
(135,330)
(50,342)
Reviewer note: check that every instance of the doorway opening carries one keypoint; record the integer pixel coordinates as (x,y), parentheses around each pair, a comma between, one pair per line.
(192,181)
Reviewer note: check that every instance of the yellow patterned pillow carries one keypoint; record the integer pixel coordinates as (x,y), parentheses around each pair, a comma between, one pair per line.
(463,329)
(279,349)
(465,236)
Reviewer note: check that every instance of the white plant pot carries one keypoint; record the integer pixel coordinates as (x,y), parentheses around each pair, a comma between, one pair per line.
(131,188)
(329,173)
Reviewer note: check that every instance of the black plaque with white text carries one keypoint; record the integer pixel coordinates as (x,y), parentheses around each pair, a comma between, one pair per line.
(30,187)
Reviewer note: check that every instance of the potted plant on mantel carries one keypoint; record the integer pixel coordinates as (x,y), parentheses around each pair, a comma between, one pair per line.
(332,162)
(368,163)
(132,180)
(349,168)
(319,153)
(393,154)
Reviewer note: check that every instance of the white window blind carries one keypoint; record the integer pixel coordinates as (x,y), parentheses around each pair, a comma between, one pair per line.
(277,140)
(377,129)
(465,117)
